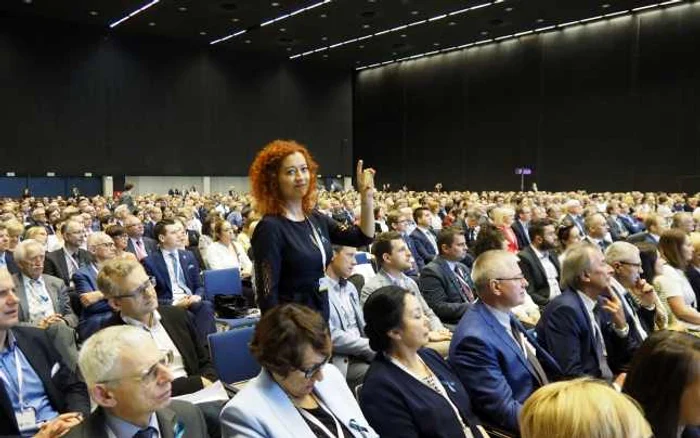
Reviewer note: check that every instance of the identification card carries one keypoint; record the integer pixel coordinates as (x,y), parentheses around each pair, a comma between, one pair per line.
(26,419)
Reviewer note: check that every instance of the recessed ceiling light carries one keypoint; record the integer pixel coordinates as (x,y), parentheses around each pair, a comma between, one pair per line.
(94,13)
(323,15)
(202,33)
(414,12)
(365,26)
(436,44)
(247,41)
(484,32)
(403,35)
(275,4)
(605,5)
(393,53)
(361,46)
(509,9)
(182,9)
(451,23)
(325,56)
(152,23)
(289,49)
(325,38)
(282,29)
(540,20)
(357,62)
(235,20)
(27,2)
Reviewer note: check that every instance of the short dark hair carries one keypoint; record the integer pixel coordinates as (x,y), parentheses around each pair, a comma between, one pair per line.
(383,311)
(159,228)
(564,231)
(489,238)
(393,218)
(418,212)
(664,353)
(283,332)
(648,253)
(382,245)
(537,226)
(446,236)
(115,231)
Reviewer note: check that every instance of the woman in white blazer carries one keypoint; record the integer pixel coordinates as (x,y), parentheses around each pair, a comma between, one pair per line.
(297,394)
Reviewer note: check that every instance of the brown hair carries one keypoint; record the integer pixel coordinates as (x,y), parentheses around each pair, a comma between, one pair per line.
(670,245)
(283,333)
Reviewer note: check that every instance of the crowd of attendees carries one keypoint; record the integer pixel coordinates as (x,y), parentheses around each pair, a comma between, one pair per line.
(482,313)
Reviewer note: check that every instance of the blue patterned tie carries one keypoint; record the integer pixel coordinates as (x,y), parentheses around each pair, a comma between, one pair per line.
(148,432)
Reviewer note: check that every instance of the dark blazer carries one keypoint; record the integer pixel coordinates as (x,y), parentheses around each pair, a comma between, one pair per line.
(521,233)
(493,369)
(10,263)
(65,391)
(442,290)
(423,246)
(644,236)
(397,405)
(148,229)
(178,415)
(565,331)
(694,279)
(617,228)
(55,263)
(59,297)
(85,280)
(155,266)
(420,263)
(150,245)
(180,328)
(577,221)
(533,270)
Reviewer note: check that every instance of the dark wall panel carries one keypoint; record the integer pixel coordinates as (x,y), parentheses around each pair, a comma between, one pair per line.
(611,105)
(86,102)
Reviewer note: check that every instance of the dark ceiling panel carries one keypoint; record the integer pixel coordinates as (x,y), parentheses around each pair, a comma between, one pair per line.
(199,22)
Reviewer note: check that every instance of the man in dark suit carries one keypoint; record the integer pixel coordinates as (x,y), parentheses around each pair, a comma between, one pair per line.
(138,244)
(177,276)
(618,229)
(397,221)
(6,258)
(445,282)
(655,226)
(133,406)
(472,227)
(574,212)
(424,238)
(58,397)
(596,230)
(539,263)
(585,328)
(521,225)
(498,362)
(38,219)
(65,262)
(155,215)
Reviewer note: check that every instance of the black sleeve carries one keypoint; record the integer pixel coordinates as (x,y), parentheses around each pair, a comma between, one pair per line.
(538,295)
(340,234)
(435,295)
(266,244)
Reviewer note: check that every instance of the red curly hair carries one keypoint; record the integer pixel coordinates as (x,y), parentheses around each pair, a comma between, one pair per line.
(264,177)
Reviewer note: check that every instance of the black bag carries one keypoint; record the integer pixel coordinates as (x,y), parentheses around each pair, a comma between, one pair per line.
(230,306)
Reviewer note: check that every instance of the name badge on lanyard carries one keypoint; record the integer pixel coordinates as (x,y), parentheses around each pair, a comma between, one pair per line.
(26,416)
(318,243)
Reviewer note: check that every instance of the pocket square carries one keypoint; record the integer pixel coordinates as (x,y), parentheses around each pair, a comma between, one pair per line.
(55,368)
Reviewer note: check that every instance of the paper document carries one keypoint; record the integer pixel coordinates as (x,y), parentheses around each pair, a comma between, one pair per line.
(215,392)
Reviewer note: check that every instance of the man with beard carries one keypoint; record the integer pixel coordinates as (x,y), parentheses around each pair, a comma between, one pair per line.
(539,263)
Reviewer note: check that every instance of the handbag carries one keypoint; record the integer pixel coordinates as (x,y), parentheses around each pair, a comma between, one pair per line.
(230,306)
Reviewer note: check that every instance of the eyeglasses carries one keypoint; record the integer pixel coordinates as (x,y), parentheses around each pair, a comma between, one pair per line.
(520,277)
(636,265)
(107,244)
(150,374)
(151,282)
(309,372)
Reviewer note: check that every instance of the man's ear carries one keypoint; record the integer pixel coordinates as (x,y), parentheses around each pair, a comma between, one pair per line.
(114,304)
(103,396)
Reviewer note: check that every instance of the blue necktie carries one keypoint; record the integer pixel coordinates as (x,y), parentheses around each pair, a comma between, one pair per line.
(179,275)
(148,432)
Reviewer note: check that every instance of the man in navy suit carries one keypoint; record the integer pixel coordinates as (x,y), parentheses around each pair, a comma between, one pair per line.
(424,238)
(177,276)
(446,283)
(138,244)
(6,258)
(521,225)
(498,362)
(655,226)
(586,328)
(397,221)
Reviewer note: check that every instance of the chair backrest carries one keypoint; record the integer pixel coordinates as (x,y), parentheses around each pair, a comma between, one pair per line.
(231,356)
(222,281)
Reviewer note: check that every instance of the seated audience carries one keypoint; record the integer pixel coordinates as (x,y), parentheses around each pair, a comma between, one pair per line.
(398,222)
(225,252)
(574,215)
(95,306)
(7,260)
(44,300)
(445,282)
(297,394)
(692,272)
(137,243)
(683,221)
(664,379)
(177,276)
(596,230)
(585,328)
(51,399)
(66,261)
(499,363)
(655,226)
(540,264)
(121,239)
(37,233)
(675,248)
(617,225)
(503,219)
(521,225)
(568,235)
(410,391)
(582,408)
(351,351)
(15,230)
(129,379)
(393,258)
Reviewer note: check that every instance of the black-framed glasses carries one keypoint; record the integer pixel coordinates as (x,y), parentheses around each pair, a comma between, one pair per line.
(520,277)
(150,374)
(106,244)
(636,265)
(139,291)
(309,372)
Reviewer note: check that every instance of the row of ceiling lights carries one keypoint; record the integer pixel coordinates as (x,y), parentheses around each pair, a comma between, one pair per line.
(666,4)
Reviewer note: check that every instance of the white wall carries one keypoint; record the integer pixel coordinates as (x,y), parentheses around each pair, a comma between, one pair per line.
(161,184)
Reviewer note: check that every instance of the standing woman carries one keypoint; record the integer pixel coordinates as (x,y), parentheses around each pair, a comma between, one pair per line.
(292,242)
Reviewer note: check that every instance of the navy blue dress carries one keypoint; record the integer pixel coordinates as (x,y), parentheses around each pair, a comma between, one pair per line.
(288,263)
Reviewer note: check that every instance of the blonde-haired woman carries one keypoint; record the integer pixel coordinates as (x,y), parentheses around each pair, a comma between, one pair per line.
(582,408)
(503,218)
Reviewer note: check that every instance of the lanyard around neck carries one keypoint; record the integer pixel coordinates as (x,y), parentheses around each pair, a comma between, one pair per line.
(317,422)
(20,374)
(318,243)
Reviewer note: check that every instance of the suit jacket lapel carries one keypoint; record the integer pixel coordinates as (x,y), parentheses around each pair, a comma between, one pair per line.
(500,331)
(184,264)
(337,308)
(53,294)
(95,425)
(587,321)
(451,277)
(38,362)
(163,267)
(167,422)
(22,295)
(6,404)
(355,300)
(538,263)
(282,407)
(62,264)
